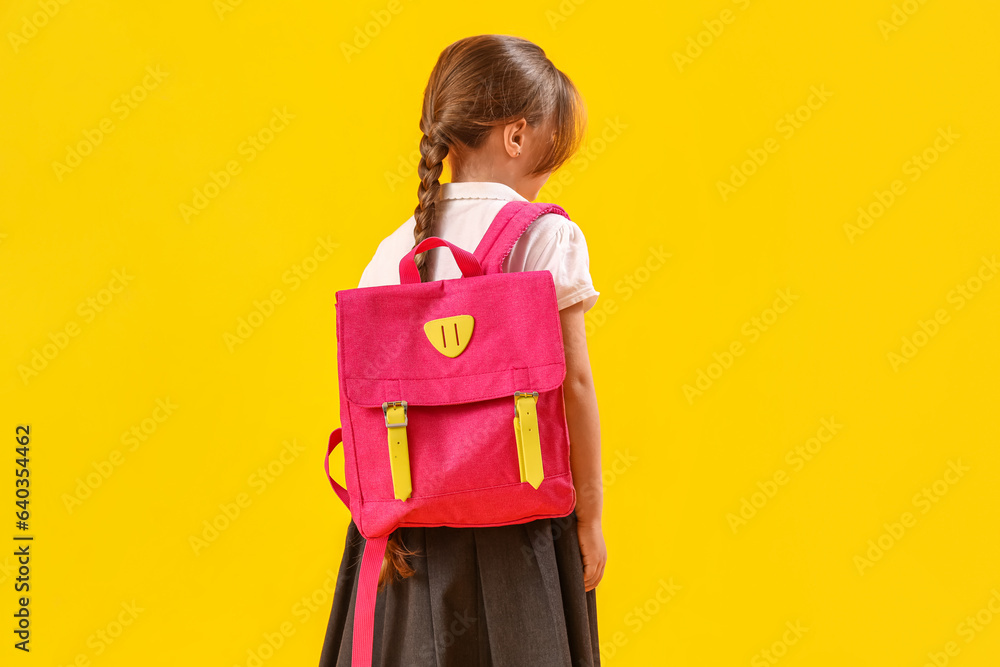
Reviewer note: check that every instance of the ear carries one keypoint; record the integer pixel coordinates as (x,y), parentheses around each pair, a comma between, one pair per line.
(513,137)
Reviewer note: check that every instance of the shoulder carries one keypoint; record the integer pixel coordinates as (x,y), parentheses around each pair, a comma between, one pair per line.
(552,242)
(401,237)
(558,246)
(550,224)
(383,268)
(553,232)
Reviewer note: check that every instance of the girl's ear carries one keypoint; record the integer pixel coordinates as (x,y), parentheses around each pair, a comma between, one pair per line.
(513,137)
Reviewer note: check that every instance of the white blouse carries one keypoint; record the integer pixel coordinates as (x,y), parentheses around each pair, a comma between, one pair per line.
(464,212)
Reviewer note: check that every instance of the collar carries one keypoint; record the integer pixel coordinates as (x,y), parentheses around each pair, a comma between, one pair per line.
(479,190)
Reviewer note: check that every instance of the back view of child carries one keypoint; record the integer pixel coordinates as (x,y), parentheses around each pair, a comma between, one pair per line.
(506,596)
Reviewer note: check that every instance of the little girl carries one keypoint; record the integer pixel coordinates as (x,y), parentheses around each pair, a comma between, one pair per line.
(506,596)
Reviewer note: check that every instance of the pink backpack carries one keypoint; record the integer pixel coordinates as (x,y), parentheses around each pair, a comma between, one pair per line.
(451,401)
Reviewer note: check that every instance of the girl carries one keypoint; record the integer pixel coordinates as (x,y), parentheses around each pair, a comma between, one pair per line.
(506,596)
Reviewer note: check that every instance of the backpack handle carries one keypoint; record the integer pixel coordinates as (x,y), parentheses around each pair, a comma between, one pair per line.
(467,262)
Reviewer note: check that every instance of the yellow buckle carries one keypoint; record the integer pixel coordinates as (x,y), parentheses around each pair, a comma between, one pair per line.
(396,420)
(385,413)
(529,449)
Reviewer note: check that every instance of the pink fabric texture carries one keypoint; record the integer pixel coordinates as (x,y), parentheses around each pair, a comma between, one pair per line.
(462,447)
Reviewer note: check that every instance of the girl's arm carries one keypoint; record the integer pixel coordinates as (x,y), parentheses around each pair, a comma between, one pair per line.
(585,443)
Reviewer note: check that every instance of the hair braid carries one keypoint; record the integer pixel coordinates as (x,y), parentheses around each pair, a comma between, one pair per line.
(395,565)
(433,150)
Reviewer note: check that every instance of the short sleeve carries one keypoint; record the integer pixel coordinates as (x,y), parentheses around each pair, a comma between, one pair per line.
(376,272)
(565,254)
(363,281)
(368,275)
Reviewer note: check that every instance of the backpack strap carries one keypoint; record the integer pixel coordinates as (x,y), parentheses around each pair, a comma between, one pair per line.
(506,228)
(335,439)
(364,604)
(371,566)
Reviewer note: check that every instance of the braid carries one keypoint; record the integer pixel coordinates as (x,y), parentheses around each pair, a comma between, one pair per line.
(433,150)
(394,565)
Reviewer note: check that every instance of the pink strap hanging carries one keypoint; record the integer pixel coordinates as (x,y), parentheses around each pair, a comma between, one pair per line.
(364,605)
(371,566)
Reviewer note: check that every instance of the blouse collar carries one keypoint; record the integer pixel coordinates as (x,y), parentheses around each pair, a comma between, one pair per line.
(479,190)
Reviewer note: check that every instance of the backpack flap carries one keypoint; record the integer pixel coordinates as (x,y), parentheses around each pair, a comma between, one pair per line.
(395,340)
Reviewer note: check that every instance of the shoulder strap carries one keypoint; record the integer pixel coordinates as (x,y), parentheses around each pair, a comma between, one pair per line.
(364,604)
(506,228)
(371,566)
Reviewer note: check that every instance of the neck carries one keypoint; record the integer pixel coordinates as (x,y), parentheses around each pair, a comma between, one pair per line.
(487,177)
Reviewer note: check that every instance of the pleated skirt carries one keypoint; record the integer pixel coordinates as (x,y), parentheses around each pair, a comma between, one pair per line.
(503,596)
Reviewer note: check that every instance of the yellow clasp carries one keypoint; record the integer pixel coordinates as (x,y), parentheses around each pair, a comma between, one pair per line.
(396,420)
(529,449)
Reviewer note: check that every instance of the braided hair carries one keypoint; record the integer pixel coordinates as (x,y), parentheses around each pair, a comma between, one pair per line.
(433,150)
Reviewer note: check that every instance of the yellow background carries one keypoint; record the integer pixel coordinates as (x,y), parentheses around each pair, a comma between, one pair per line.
(341,170)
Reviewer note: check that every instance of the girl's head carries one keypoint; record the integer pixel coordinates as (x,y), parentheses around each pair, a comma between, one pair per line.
(499,110)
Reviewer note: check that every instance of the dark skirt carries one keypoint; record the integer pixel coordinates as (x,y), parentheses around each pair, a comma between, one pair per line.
(503,596)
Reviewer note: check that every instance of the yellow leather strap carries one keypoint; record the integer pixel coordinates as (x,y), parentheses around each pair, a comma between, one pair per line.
(529,446)
(399,451)
(520,447)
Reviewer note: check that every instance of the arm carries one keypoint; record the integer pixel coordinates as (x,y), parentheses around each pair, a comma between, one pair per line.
(585,443)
